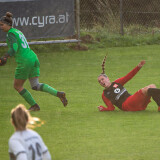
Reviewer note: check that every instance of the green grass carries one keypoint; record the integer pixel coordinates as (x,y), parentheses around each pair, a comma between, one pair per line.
(135,35)
(80,131)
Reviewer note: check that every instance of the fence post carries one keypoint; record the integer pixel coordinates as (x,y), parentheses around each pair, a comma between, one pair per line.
(121,18)
(78,20)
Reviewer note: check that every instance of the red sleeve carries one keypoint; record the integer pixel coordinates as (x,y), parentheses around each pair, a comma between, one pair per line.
(108,103)
(129,76)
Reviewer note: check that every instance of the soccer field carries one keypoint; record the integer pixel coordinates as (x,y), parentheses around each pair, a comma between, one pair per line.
(80,131)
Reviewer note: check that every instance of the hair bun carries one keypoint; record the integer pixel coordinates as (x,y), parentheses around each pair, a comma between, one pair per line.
(8,14)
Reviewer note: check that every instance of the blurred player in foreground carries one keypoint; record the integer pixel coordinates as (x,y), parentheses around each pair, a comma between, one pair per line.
(26,144)
(115,94)
(28,66)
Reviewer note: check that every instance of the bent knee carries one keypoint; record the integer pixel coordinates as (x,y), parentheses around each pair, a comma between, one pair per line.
(35,88)
(152,86)
(149,86)
(145,89)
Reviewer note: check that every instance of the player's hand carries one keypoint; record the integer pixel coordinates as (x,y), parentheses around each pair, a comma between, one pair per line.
(101,108)
(141,63)
(3,61)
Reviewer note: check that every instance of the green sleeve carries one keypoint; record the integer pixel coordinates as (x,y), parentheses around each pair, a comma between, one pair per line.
(12,44)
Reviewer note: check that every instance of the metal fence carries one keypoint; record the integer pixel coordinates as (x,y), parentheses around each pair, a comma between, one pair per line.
(121,15)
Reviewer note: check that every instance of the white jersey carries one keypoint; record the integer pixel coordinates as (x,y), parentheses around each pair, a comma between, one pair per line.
(27,145)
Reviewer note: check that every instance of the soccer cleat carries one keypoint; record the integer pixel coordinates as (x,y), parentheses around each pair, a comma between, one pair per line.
(159,109)
(34,108)
(62,97)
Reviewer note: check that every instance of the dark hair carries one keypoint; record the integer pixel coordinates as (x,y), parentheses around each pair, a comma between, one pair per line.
(7,19)
(104,75)
(103,67)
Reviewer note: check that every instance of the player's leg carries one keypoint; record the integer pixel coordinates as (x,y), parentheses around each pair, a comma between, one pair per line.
(18,85)
(136,102)
(21,74)
(154,92)
(35,85)
(145,89)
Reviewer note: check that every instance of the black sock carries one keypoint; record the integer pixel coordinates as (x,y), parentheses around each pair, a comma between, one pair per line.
(155,94)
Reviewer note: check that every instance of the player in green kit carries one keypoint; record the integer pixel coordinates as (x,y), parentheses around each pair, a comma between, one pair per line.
(28,66)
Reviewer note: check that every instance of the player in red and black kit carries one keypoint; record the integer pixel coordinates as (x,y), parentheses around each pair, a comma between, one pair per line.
(115,94)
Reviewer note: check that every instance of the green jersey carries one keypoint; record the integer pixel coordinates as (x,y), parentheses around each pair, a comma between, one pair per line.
(18,46)
(27,61)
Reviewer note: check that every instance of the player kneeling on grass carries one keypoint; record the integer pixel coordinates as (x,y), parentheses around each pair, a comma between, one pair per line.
(28,66)
(115,94)
(26,144)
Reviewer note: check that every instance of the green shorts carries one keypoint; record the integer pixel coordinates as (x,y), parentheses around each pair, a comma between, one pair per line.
(27,69)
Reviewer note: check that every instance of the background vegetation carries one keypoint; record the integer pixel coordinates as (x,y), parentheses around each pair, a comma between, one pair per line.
(142,15)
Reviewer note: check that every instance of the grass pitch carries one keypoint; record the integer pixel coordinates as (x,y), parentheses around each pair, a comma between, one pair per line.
(80,131)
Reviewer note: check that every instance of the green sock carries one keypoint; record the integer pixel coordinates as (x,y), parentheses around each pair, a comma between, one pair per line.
(27,96)
(48,89)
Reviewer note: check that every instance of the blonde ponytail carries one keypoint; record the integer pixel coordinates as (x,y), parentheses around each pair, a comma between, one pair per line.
(22,119)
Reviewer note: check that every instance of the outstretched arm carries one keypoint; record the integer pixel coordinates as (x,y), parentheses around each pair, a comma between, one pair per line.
(131,74)
(108,103)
